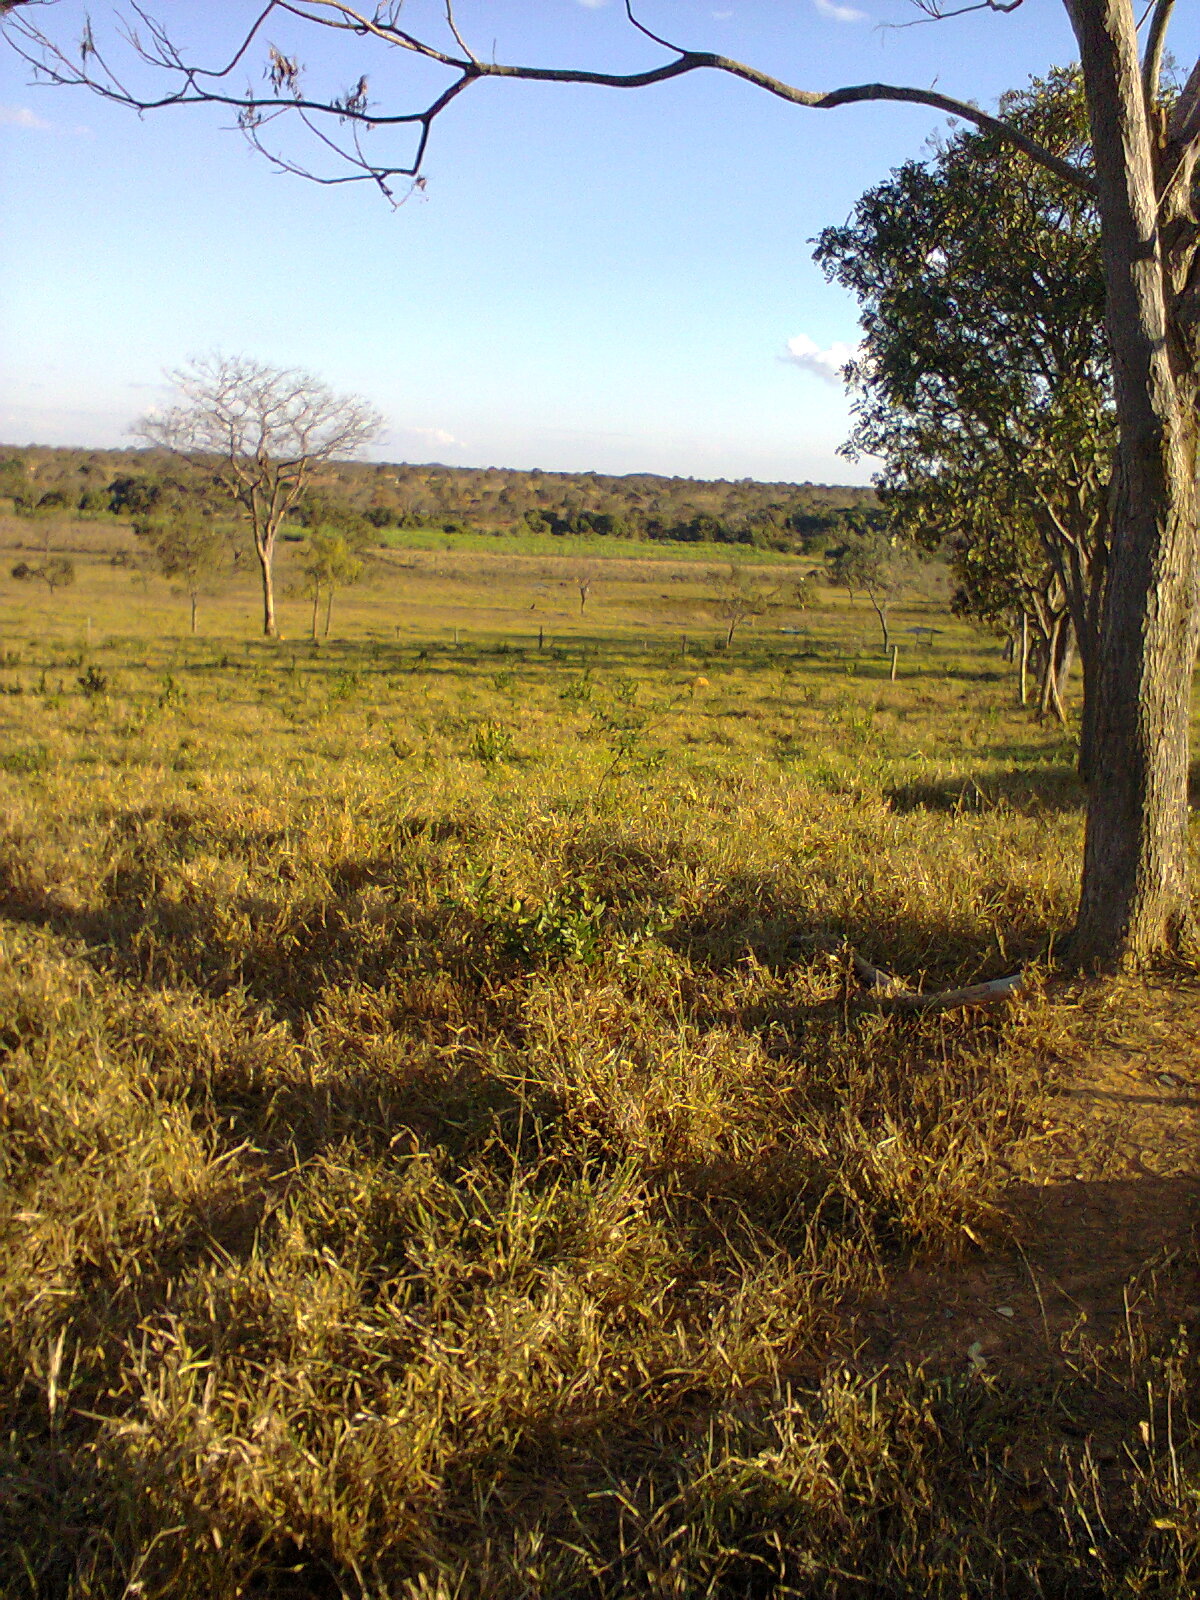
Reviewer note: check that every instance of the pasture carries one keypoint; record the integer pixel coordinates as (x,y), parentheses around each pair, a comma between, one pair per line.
(445,1152)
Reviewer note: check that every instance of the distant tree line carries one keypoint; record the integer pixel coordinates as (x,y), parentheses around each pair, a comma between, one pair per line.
(370,498)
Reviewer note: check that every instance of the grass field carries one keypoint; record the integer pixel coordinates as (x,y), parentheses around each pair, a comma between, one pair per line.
(445,1154)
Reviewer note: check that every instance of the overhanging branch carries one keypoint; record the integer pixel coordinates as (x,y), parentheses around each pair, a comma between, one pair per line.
(197,85)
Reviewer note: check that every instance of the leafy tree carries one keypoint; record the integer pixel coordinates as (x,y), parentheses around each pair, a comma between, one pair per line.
(261,430)
(1005,579)
(876,565)
(14,481)
(56,572)
(130,495)
(330,563)
(846,564)
(807,592)
(1135,899)
(984,379)
(739,598)
(187,547)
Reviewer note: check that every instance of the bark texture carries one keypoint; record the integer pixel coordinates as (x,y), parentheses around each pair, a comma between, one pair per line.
(1135,899)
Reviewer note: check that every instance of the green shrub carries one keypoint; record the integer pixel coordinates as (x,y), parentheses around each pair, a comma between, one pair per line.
(25,758)
(492,742)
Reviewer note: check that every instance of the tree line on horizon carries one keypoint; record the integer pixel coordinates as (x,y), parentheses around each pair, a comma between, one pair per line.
(363,496)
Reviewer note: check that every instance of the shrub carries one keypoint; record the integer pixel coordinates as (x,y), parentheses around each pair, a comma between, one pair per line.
(25,758)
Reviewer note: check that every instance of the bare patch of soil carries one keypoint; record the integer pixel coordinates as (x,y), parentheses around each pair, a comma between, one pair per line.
(1104,1203)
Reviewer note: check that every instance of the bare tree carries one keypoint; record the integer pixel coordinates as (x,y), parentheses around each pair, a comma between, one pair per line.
(1135,900)
(584,584)
(261,430)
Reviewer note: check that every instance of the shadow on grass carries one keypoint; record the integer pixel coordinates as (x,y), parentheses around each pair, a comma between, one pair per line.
(753,919)
(1031,791)
(559,1468)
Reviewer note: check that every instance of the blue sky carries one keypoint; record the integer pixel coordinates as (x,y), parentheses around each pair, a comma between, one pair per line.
(618,281)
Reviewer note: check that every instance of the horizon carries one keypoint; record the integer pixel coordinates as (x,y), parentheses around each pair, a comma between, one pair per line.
(589,282)
(446,466)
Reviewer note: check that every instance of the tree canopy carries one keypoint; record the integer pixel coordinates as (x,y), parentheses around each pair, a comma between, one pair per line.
(984,378)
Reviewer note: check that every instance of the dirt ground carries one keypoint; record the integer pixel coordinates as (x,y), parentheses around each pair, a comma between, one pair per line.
(1103,1202)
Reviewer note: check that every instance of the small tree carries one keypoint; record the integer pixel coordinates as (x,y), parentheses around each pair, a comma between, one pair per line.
(329,564)
(584,584)
(870,562)
(806,592)
(185,547)
(56,572)
(261,429)
(845,564)
(740,599)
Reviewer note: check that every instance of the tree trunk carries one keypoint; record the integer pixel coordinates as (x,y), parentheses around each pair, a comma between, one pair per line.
(881,613)
(1134,898)
(192,598)
(316,606)
(1081,566)
(1066,659)
(1046,663)
(328,610)
(265,553)
(1024,668)
(1087,717)
(1058,669)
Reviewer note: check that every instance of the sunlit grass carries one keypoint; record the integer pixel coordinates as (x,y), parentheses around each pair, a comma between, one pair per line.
(442,1153)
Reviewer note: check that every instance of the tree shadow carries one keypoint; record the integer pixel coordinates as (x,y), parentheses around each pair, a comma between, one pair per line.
(754,917)
(1033,791)
(1064,1279)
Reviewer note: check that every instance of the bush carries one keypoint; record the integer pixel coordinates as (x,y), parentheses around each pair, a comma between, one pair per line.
(93,683)
(25,758)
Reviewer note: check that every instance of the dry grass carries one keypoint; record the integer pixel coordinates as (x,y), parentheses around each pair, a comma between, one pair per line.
(442,1156)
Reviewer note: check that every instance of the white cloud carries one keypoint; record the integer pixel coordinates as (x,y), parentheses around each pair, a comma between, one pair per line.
(432,436)
(837,13)
(826,364)
(22,117)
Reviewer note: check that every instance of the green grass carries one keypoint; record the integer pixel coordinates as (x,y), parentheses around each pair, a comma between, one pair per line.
(442,1156)
(578,547)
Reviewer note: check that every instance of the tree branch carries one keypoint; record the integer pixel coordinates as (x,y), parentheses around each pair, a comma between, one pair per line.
(1155,44)
(51,64)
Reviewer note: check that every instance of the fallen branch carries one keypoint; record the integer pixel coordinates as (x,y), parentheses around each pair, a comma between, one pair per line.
(892,991)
